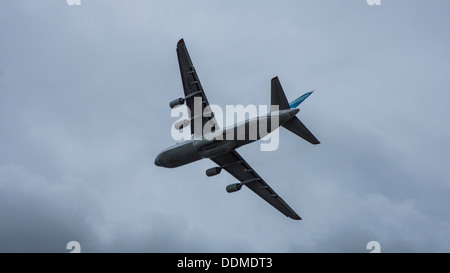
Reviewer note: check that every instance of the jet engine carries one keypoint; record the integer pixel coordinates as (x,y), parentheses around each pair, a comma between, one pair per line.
(181,124)
(234,187)
(176,102)
(213,171)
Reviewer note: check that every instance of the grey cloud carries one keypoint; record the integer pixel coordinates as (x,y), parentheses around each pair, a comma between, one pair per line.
(84,95)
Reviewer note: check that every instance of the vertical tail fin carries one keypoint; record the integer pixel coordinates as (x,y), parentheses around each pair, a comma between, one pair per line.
(278,97)
(294,124)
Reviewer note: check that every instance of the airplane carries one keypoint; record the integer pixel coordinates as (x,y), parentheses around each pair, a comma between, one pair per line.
(222,151)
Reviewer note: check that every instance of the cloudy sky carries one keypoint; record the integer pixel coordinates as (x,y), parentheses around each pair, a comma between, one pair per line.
(84,93)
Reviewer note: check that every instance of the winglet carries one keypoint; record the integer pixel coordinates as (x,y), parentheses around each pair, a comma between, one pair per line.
(180,41)
(298,218)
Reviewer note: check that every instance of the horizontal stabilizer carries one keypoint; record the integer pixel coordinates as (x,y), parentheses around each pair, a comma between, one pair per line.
(297,127)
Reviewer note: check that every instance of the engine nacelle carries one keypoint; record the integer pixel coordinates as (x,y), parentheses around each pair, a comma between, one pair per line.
(234,187)
(176,102)
(181,124)
(213,171)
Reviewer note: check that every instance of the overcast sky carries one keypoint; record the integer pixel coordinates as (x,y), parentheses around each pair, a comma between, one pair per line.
(84,94)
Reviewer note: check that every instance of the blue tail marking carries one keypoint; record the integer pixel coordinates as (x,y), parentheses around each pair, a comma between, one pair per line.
(297,101)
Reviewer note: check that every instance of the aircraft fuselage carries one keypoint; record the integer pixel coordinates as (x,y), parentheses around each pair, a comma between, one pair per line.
(223,141)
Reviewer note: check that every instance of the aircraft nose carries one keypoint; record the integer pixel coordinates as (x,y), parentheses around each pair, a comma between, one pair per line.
(157,161)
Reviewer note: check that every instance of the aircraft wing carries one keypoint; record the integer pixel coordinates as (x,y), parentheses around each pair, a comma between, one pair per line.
(193,92)
(233,163)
